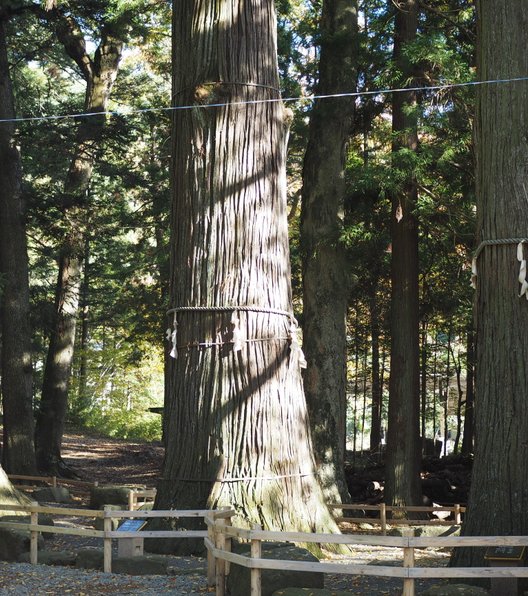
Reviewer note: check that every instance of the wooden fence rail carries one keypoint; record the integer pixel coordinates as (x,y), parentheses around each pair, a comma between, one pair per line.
(219,537)
(220,533)
(383,518)
(141,496)
(53,480)
(107,535)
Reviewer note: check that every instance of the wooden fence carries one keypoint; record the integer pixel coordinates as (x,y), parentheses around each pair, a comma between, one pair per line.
(140,496)
(53,481)
(383,520)
(221,533)
(107,534)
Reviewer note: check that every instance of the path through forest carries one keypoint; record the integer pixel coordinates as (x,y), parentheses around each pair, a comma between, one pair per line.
(112,461)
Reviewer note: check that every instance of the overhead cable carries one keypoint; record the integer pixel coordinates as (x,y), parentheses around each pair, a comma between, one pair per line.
(304,98)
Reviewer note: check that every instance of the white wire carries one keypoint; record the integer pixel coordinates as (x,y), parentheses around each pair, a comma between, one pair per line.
(270,100)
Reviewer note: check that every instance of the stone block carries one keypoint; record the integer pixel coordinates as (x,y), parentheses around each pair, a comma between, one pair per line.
(99,521)
(109,495)
(311,592)
(13,543)
(89,558)
(144,565)
(52,557)
(455,590)
(238,582)
(52,494)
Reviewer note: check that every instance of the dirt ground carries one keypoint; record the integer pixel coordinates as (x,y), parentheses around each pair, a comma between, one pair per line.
(112,461)
(116,461)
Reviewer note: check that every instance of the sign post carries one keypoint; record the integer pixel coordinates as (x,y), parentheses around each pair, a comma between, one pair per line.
(130,547)
(505,556)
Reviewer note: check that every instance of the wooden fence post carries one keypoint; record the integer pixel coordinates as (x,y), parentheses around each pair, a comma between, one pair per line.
(34,535)
(256,553)
(220,563)
(228,547)
(211,562)
(408,562)
(458,516)
(383,518)
(107,542)
(131,500)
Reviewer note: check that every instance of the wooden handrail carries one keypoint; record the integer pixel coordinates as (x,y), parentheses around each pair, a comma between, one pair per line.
(106,534)
(456,509)
(53,480)
(408,572)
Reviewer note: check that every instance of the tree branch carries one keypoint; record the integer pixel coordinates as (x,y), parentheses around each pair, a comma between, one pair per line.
(468,33)
(71,37)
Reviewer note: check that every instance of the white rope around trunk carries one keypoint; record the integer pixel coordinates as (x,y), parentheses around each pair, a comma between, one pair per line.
(520,257)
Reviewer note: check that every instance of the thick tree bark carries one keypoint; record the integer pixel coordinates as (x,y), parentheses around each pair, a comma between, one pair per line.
(325,277)
(18,455)
(100,75)
(402,485)
(237,430)
(498,500)
(9,495)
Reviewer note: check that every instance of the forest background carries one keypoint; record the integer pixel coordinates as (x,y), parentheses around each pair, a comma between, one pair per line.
(117,372)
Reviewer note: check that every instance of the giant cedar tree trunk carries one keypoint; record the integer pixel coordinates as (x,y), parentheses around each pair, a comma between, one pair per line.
(18,455)
(403,438)
(325,277)
(237,430)
(100,75)
(9,495)
(498,500)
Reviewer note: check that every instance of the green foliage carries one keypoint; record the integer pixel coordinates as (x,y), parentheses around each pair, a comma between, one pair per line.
(127,270)
(122,383)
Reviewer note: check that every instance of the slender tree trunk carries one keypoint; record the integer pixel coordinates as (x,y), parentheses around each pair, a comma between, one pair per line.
(82,396)
(356,379)
(375,427)
(435,386)
(325,277)
(403,443)
(467,439)
(365,380)
(237,425)
(423,384)
(18,455)
(498,500)
(100,75)
(460,399)
(445,400)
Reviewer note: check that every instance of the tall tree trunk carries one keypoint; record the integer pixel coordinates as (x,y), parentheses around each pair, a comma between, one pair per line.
(18,455)
(9,495)
(445,400)
(403,441)
(467,438)
(83,400)
(325,277)
(100,75)
(498,500)
(375,426)
(237,425)
(423,385)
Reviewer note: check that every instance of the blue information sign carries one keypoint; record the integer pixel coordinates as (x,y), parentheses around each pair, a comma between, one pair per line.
(131,525)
